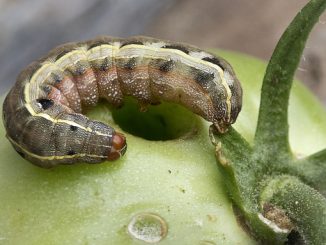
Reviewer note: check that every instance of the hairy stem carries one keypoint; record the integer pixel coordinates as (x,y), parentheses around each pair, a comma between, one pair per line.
(271,137)
(312,170)
(305,207)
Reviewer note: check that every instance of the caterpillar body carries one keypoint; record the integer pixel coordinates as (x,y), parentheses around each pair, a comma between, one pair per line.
(42,112)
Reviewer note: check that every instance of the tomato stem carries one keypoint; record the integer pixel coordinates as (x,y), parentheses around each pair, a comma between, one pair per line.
(267,175)
(312,170)
(302,204)
(272,131)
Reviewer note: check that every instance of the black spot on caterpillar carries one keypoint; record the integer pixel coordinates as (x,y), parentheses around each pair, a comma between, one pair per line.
(71,153)
(62,53)
(57,78)
(73,128)
(45,103)
(46,88)
(204,78)
(131,64)
(42,112)
(214,60)
(21,154)
(167,66)
(105,65)
(178,47)
(131,42)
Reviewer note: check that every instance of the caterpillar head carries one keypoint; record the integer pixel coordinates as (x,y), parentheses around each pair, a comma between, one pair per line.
(119,147)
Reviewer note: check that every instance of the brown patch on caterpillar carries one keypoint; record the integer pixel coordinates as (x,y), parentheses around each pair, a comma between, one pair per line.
(48,96)
(57,96)
(109,86)
(134,79)
(86,83)
(69,90)
(107,81)
(171,87)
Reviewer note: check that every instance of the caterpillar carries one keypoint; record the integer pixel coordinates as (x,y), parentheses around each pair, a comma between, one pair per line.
(42,113)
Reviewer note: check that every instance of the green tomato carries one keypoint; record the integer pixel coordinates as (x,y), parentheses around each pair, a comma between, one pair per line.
(166,188)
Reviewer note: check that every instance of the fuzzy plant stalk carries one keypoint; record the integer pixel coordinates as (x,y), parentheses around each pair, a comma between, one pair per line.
(276,193)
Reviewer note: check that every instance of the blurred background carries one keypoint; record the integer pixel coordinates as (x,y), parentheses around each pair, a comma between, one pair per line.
(30,28)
